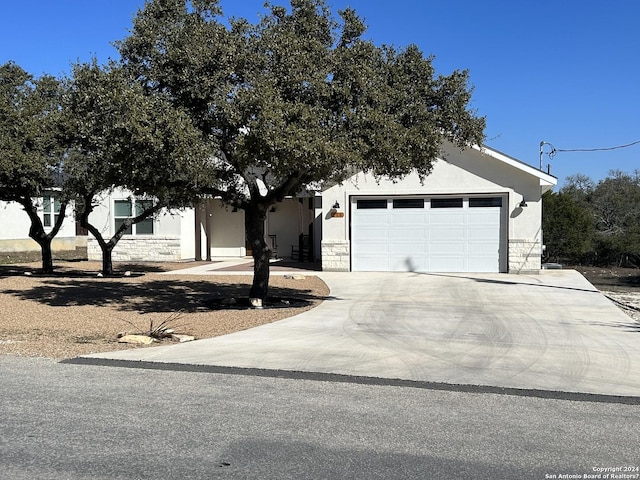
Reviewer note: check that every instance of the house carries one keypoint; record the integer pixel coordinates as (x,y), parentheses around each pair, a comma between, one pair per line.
(479,211)
(14,233)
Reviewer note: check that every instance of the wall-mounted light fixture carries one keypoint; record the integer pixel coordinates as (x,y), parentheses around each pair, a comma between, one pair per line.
(334,211)
(522,204)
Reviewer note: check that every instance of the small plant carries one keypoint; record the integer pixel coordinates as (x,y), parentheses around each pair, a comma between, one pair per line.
(163,329)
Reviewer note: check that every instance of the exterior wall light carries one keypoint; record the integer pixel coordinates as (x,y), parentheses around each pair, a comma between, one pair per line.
(334,213)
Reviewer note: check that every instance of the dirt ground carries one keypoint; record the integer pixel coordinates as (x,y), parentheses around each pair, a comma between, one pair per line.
(74,312)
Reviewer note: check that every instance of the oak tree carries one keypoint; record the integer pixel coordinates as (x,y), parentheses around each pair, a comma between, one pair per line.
(298,99)
(30,157)
(118,135)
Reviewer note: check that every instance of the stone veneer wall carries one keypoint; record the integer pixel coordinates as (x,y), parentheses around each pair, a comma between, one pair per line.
(525,256)
(140,248)
(335,255)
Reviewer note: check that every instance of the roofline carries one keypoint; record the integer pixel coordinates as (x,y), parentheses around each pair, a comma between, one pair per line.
(547,180)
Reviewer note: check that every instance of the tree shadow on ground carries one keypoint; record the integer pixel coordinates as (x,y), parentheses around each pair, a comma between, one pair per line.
(155,295)
(631,326)
(71,269)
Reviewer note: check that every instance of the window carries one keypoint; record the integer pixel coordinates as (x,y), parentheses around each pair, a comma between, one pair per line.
(446,203)
(408,203)
(371,204)
(123,209)
(50,210)
(485,202)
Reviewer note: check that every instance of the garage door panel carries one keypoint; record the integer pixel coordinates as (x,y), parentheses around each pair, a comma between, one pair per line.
(481,264)
(447,248)
(445,234)
(408,263)
(407,235)
(402,217)
(373,248)
(446,216)
(446,264)
(373,263)
(374,221)
(406,245)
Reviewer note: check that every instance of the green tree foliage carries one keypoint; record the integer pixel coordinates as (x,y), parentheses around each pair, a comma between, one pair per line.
(615,203)
(568,227)
(298,99)
(598,223)
(29,152)
(118,135)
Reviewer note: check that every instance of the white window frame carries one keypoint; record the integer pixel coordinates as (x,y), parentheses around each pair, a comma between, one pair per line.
(50,210)
(134,228)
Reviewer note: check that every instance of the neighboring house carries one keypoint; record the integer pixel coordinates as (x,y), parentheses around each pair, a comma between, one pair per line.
(479,211)
(15,225)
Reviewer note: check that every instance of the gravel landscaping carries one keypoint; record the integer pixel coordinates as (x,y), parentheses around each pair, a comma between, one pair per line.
(74,312)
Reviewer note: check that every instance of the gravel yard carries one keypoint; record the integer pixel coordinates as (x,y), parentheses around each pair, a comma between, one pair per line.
(74,312)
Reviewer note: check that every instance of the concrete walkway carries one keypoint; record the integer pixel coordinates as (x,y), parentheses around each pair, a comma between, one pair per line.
(553,331)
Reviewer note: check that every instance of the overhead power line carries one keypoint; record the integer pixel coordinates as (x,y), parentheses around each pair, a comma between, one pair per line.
(553,150)
(595,149)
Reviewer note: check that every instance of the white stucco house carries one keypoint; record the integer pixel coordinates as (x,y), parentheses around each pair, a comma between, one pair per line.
(15,224)
(479,211)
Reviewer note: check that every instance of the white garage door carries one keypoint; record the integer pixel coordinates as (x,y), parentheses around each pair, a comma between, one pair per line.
(426,234)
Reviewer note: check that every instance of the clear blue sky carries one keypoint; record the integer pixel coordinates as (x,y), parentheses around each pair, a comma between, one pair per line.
(565,72)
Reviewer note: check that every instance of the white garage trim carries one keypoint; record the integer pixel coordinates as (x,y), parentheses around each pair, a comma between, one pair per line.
(428,233)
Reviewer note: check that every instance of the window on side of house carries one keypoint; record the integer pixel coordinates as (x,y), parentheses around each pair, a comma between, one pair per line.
(124,209)
(50,210)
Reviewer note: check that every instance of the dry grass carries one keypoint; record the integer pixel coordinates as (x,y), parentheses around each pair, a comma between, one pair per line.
(74,312)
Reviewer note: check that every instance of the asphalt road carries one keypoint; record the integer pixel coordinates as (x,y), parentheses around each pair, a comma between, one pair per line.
(64,421)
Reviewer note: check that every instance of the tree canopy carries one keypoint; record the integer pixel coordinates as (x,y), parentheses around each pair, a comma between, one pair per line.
(295,100)
(30,156)
(594,223)
(117,135)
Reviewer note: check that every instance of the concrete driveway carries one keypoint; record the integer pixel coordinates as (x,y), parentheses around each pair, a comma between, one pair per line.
(553,331)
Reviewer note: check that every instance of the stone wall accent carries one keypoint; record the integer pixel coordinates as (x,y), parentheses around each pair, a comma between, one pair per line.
(335,255)
(525,256)
(140,248)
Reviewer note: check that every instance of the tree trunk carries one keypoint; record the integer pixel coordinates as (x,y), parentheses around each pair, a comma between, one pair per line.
(254,218)
(37,233)
(47,256)
(107,262)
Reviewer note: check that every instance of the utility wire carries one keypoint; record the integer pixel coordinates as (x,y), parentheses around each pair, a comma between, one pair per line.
(594,149)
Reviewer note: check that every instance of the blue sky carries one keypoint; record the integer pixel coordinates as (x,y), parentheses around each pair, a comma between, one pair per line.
(565,72)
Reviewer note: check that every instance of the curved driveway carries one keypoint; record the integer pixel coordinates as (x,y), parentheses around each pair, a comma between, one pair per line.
(552,331)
